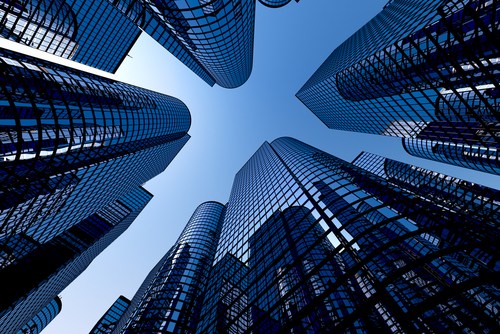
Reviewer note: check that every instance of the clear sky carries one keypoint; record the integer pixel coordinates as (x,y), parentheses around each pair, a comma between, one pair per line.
(228,126)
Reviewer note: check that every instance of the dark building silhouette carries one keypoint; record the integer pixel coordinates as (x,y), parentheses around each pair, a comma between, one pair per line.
(426,72)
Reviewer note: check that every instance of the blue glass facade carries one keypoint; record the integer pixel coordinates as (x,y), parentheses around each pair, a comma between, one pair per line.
(75,149)
(110,319)
(173,300)
(213,38)
(43,318)
(426,71)
(68,136)
(90,32)
(52,266)
(314,244)
(275,3)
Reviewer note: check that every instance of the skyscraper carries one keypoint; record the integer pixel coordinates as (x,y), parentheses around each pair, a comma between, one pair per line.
(213,38)
(93,33)
(110,319)
(275,3)
(313,244)
(75,150)
(173,299)
(31,282)
(331,247)
(426,72)
(43,318)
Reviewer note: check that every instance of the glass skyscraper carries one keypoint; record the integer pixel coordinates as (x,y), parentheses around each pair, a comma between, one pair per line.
(75,149)
(212,38)
(425,71)
(43,318)
(92,32)
(314,244)
(110,319)
(173,297)
(31,282)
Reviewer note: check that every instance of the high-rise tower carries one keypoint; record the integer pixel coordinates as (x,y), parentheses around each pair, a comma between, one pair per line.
(43,318)
(75,149)
(213,38)
(93,33)
(173,299)
(328,246)
(426,72)
(314,244)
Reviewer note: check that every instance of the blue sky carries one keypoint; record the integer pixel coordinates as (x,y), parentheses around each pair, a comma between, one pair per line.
(228,126)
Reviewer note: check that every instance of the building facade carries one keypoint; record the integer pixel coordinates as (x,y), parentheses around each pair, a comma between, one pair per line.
(75,149)
(314,244)
(327,246)
(173,298)
(43,318)
(110,319)
(212,38)
(425,71)
(33,281)
(93,33)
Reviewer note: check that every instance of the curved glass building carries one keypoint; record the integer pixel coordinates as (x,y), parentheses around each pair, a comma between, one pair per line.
(426,72)
(61,129)
(93,33)
(43,318)
(275,3)
(110,319)
(212,38)
(173,299)
(75,149)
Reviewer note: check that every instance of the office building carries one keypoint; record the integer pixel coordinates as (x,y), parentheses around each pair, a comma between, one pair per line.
(37,278)
(175,289)
(212,38)
(110,319)
(43,318)
(93,32)
(75,149)
(330,247)
(275,3)
(426,72)
(314,244)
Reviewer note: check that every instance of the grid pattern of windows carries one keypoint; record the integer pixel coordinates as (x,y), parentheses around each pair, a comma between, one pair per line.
(109,320)
(314,244)
(67,137)
(49,268)
(173,300)
(275,3)
(427,71)
(43,318)
(213,38)
(90,32)
(46,25)
(73,145)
